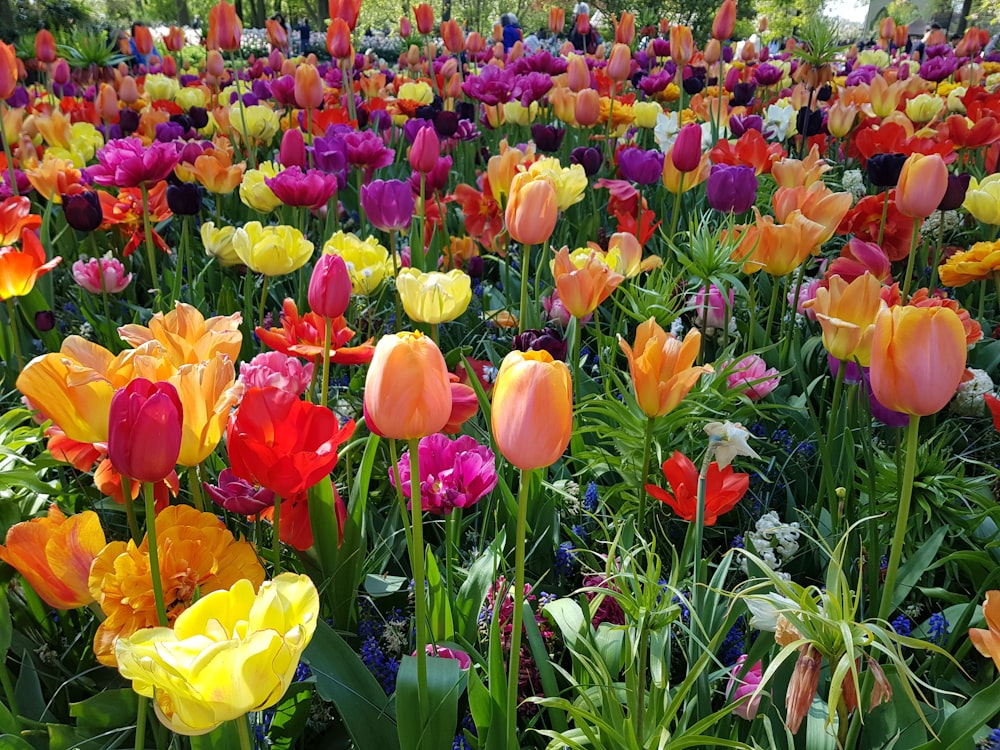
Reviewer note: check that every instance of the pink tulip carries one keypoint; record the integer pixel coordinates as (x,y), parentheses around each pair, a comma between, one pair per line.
(277,370)
(752,375)
(88,273)
(716,317)
(742,686)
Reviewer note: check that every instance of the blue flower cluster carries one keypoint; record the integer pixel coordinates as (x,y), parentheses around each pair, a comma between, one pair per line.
(902,625)
(734,644)
(591,498)
(565,562)
(461,743)
(992,742)
(938,629)
(383,667)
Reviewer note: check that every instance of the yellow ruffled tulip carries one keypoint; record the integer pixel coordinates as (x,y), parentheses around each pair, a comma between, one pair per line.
(368,262)
(434,297)
(208,391)
(847,314)
(161,87)
(255,193)
(261,122)
(272,250)
(190,96)
(187,336)
(219,243)
(982,199)
(229,653)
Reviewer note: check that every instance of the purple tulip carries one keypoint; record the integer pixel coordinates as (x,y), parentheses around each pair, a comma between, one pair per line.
(547,339)
(641,166)
(453,473)
(588,157)
(766,74)
(366,151)
(740,124)
(283,91)
(83,211)
(388,204)
(731,189)
(954,196)
(238,495)
(547,137)
(491,87)
(531,88)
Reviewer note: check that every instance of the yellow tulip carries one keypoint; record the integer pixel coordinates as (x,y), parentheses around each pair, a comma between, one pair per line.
(982,199)
(368,262)
(416,91)
(261,122)
(272,250)
(219,243)
(434,297)
(517,114)
(161,87)
(208,392)
(229,653)
(255,193)
(187,336)
(847,314)
(569,182)
(645,114)
(190,96)
(924,107)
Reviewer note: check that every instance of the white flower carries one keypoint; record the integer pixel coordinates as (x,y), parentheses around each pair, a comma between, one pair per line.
(666,130)
(968,399)
(780,123)
(854,183)
(729,439)
(764,610)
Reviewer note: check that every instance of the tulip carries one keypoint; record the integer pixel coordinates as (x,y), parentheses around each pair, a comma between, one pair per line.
(641,166)
(982,199)
(583,23)
(277,370)
(987,642)
(367,261)
(8,70)
(724,488)
(587,111)
(840,119)
(532,415)
(752,377)
(292,152)
(434,297)
(143,39)
(101,275)
(128,90)
(308,87)
(214,64)
(619,63)
(584,280)
(208,391)
(453,36)
(425,18)
(330,286)
(625,29)
(731,189)
(557,20)
(532,209)
(388,204)
(847,313)
(224,27)
(173,40)
(725,21)
(271,250)
(407,391)
(710,311)
(577,73)
(238,495)
(229,653)
(254,191)
(686,152)
(45,46)
(743,683)
(144,430)
(54,554)
(681,45)
(405,27)
(918,357)
(20,269)
(338,40)
(425,151)
(453,473)
(923,183)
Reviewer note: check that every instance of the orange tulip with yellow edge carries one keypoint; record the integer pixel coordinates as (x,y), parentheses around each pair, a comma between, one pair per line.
(987,642)
(847,313)
(790,173)
(215,171)
(883,96)
(187,336)
(53,178)
(583,279)
(208,391)
(662,367)
(15,218)
(817,203)
(532,415)
(681,44)
(918,358)
(54,554)
(502,168)
(677,182)
(625,255)
(532,209)
(777,249)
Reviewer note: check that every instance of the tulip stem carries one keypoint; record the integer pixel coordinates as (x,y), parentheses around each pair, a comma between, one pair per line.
(770,309)
(514,662)
(263,301)
(833,429)
(243,730)
(133,523)
(794,304)
(902,517)
(394,457)
(420,254)
(525,260)
(347,85)
(647,449)
(419,582)
(154,554)
(675,215)
(324,386)
(196,495)
(140,723)
(154,278)
(936,257)
(909,261)
(15,333)
(885,213)
(6,152)
(276,535)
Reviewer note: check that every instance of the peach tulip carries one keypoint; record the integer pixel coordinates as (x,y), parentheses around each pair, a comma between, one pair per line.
(847,313)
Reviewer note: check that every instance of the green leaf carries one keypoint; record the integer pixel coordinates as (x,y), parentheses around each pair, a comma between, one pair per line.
(108,710)
(916,565)
(958,729)
(442,623)
(444,686)
(472,594)
(13,742)
(384,585)
(28,692)
(6,627)
(291,715)
(224,737)
(344,680)
(545,671)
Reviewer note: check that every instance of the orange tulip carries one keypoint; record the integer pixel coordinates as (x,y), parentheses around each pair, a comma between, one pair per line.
(987,642)
(563,103)
(847,314)
(475,43)
(584,280)
(884,98)
(338,40)
(625,28)
(922,184)
(277,35)
(577,73)
(841,119)
(713,51)
(214,64)
(224,27)
(557,20)
(19,269)
(45,46)
(187,336)
(407,391)
(532,414)
(531,209)
(791,173)
(777,249)
(54,554)
(143,39)
(424,14)
(502,168)
(725,21)
(918,358)
(8,70)
(453,36)
(173,40)
(817,203)
(53,178)
(620,63)
(681,45)
(308,85)
(587,110)
(662,367)
(106,102)
(214,169)
(901,34)
(128,90)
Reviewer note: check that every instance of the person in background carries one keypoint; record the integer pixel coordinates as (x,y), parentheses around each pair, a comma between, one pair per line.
(511,30)
(304,32)
(141,59)
(583,36)
(532,41)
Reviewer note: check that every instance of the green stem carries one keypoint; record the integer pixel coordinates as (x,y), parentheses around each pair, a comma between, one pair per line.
(8,689)
(15,333)
(394,457)
(902,517)
(263,301)
(347,81)
(832,431)
(324,383)
(640,692)
(786,341)
(140,723)
(419,582)
(249,145)
(276,535)
(937,255)
(395,274)
(525,261)
(514,668)
(675,215)
(647,448)
(133,523)
(243,730)
(196,494)
(6,153)
(419,255)
(154,277)
(770,308)
(909,261)
(154,554)
(885,212)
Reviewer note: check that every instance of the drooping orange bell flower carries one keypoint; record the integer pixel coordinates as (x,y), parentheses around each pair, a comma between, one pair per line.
(662,367)
(225,30)
(583,279)
(20,269)
(918,358)
(54,554)
(847,313)
(532,414)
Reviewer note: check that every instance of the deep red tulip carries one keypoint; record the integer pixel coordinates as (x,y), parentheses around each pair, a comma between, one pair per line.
(724,488)
(144,430)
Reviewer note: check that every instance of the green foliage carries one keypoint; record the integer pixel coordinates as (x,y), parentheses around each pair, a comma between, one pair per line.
(84,48)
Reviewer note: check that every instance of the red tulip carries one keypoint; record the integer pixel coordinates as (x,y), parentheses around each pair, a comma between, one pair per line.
(425,151)
(686,153)
(224,27)
(424,14)
(338,39)
(725,21)
(347,10)
(453,36)
(724,488)
(45,46)
(144,430)
(143,38)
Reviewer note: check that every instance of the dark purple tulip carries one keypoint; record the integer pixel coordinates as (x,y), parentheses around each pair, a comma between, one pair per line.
(809,121)
(766,74)
(184,199)
(426,112)
(45,320)
(731,190)
(388,204)
(954,196)
(547,137)
(128,120)
(261,89)
(169,131)
(19,98)
(693,85)
(381,120)
(588,157)
(413,126)
(239,496)
(884,169)
(661,47)
(740,124)
(544,339)
(727,54)
(446,123)
(743,94)
(83,211)
(198,116)
(641,166)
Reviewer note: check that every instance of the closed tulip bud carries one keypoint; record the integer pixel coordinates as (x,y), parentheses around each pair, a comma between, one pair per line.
(308,86)
(625,29)
(388,204)
(748,53)
(225,29)
(8,70)
(686,153)
(532,414)
(922,185)
(733,76)
(681,44)
(557,20)
(725,21)
(144,430)
(453,89)
(434,297)
(405,27)
(184,199)
(583,23)
(169,66)
(901,34)
(173,40)
(60,72)
(577,73)
(918,358)
(408,390)
(886,28)
(214,64)
(45,46)
(413,56)
(143,39)
(453,36)
(620,63)
(106,102)
(338,40)
(713,51)
(128,91)
(588,108)
(424,14)
(83,211)
(449,68)
(425,151)
(293,149)
(532,209)
(841,119)
(475,43)
(330,286)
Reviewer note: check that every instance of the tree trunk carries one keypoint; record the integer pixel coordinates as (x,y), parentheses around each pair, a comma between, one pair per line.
(966,9)
(239,8)
(446,10)
(183,13)
(7,30)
